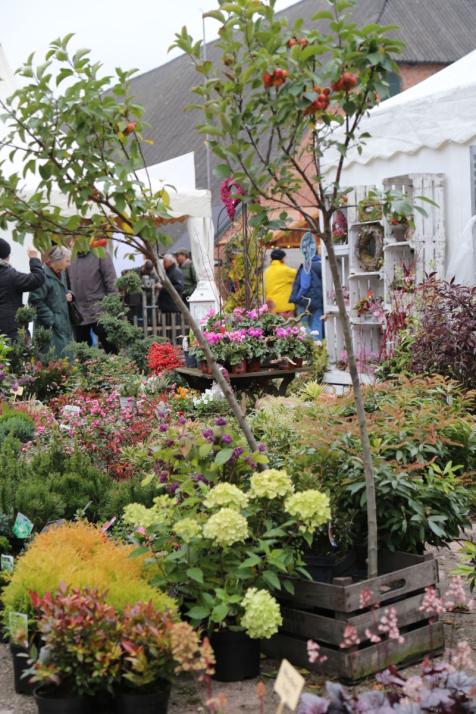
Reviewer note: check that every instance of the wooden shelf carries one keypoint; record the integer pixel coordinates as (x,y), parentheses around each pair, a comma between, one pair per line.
(399,244)
(365,323)
(373,274)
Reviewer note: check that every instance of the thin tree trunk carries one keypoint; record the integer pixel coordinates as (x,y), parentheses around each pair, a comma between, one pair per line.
(372,533)
(216,371)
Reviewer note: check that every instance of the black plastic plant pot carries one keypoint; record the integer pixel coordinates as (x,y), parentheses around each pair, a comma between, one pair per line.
(20,664)
(237,656)
(130,701)
(51,700)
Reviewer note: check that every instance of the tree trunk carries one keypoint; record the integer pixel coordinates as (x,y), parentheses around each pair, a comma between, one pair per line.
(372,533)
(216,371)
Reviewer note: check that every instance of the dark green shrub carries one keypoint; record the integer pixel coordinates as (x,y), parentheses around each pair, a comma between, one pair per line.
(19,426)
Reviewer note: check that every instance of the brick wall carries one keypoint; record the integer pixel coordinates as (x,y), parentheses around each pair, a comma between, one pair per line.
(411,74)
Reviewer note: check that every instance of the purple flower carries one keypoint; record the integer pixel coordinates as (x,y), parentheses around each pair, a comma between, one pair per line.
(208,434)
(163,427)
(237,451)
(163,477)
(221,421)
(173,487)
(261,447)
(226,439)
(255,331)
(182,420)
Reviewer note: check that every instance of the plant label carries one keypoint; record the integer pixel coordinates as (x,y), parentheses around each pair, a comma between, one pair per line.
(288,686)
(18,391)
(22,526)
(6,562)
(18,627)
(71,409)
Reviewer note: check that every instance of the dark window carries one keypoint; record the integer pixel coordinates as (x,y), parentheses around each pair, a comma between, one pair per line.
(394,83)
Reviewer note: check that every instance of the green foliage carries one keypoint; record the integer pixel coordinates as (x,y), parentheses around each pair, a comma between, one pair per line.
(467,565)
(97,371)
(258,123)
(24,315)
(129,283)
(82,132)
(16,424)
(423,441)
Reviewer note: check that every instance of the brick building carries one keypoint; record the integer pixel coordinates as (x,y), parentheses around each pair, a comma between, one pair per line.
(435,32)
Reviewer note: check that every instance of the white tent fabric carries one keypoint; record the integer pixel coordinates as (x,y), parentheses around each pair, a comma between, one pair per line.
(439,110)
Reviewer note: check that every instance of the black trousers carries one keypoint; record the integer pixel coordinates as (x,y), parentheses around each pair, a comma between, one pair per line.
(83,334)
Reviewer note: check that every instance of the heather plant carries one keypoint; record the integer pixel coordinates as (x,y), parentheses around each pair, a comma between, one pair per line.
(226,549)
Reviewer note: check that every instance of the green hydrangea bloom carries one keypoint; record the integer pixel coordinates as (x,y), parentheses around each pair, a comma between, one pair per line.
(135,514)
(262,617)
(226,527)
(310,507)
(271,483)
(187,529)
(226,494)
(165,507)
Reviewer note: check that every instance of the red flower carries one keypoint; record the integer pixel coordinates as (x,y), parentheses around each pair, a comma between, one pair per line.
(163,357)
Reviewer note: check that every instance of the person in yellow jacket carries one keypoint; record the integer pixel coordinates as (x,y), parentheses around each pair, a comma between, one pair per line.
(278,283)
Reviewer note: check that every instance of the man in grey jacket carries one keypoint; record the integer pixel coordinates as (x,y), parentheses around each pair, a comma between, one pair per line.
(90,280)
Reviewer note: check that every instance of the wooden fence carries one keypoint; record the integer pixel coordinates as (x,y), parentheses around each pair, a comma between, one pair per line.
(170,326)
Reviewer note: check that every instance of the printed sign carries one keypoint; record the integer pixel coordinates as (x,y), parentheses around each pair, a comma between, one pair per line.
(308,249)
(22,526)
(18,628)
(6,562)
(289,685)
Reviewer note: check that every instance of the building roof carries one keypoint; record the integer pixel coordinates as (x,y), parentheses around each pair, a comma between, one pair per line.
(434,31)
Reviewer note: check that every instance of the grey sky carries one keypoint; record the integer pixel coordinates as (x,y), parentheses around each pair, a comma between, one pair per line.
(124,33)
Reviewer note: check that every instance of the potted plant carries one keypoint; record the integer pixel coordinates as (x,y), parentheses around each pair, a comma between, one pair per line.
(153,652)
(129,391)
(370,307)
(228,551)
(74,662)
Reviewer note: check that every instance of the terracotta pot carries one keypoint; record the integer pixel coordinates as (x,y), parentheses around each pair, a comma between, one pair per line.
(204,367)
(239,368)
(254,365)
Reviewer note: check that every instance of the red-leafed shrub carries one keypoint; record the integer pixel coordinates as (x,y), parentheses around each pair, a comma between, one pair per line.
(163,358)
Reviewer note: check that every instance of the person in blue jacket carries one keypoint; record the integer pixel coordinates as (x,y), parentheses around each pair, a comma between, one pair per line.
(307,295)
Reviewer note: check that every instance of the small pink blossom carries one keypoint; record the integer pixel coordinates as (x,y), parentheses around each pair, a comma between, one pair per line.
(461,658)
(432,605)
(365,598)
(350,637)
(388,625)
(313,653)
(374,638)
(456,597)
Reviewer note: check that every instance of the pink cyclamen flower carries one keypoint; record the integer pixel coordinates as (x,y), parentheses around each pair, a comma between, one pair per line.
(388,625)
(350,637)
(432,605)
(313,653)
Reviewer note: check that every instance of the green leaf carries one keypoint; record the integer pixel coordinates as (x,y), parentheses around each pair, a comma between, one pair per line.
(222,171)
(223,456)
(195,574)
(219,612)
(198,612)
(204,450)
(141,550)
(147,479)
(250,562)
(272,579)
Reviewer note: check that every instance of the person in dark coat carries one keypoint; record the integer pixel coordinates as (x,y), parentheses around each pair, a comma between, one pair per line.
(166,302)
(187,268)
(12,286)
(307,295)
(91,279)
(51,300)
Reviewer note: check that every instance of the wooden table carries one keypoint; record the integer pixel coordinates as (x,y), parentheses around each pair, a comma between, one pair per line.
(199,380)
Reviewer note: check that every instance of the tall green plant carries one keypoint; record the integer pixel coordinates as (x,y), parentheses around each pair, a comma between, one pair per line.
(281,99)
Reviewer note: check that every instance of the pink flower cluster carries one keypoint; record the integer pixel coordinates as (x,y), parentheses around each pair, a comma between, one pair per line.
(313,653)
(230,193)
(285,332)
(236,336)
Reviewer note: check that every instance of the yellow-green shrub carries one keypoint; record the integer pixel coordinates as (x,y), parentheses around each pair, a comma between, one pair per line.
(80,555)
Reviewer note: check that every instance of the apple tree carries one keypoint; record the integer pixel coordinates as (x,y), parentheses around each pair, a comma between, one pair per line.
(281,100)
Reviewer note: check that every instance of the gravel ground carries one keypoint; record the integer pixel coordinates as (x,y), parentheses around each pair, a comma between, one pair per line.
(241,696)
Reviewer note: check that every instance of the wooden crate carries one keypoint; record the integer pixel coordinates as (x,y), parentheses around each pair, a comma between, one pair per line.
(321,611)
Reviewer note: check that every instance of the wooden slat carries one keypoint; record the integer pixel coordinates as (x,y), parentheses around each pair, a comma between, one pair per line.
(363,662)
(323,628)
(346,599)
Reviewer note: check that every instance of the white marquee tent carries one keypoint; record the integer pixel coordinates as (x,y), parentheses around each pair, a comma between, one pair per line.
(429,128)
